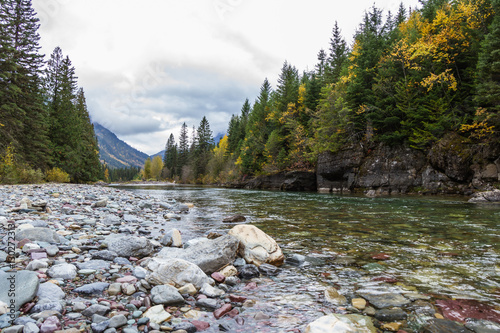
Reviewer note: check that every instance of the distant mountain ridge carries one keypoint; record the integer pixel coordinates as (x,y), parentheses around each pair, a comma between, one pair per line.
(115,152)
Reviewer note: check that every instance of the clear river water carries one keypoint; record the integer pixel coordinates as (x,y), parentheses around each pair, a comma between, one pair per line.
(443,247)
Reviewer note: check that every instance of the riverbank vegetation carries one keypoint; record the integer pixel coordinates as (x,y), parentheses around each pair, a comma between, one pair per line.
(408,79)
(44,122)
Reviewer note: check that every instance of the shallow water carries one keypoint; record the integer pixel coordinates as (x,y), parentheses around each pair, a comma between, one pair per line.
(442,246)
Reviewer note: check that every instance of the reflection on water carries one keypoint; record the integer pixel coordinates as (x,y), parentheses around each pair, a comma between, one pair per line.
(438,245)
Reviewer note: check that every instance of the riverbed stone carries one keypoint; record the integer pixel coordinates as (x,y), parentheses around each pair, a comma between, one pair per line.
(388,315)
(104,255)
(332,296)
(166,294)
(444,326)
(130,246)
(63,271)
(177,272)
(38,234)
(95,288)
(209,255)
(111,220)
(249,271)
(462,309)
(210,291)
(256,247)
(157,314)
(48,291)
(172,238)
(96,309)
(482,326)
(94,264)
(385,300)
(24,284)
(50,325)
(117,321)
(341,323)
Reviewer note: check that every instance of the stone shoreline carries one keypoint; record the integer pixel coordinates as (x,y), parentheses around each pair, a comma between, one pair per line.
(96,259)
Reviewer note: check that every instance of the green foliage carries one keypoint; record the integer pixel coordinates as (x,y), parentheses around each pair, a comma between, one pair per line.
(57,175)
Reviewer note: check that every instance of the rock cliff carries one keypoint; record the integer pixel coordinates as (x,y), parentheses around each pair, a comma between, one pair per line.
(450,166)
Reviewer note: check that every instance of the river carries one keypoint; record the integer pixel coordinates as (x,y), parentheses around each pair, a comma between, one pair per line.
(443,247)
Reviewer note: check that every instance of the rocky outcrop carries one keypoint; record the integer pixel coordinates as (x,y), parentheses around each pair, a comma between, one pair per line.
(285,181)
(485,197)
(449,166)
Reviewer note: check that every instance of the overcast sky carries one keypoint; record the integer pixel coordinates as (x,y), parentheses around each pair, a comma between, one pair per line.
(147,66)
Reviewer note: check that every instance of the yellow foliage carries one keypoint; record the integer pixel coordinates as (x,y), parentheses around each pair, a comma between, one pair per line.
(479,129)
(57,175)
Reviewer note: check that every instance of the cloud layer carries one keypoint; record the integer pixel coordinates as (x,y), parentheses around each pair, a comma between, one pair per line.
(148,66)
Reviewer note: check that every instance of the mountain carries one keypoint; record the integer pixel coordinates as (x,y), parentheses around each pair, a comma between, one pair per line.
(115,152)
(161,154)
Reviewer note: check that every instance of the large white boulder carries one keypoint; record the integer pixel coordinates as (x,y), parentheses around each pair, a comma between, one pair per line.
(257,247)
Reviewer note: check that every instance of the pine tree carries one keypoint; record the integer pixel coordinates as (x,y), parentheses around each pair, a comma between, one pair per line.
(183,151)
(205,143)
(22,111)
(89,168)
(257,131)
(64,122)
(488,69)
(170,157)
(338,55)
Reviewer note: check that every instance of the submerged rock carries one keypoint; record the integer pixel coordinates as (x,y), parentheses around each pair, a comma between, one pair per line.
(341,323)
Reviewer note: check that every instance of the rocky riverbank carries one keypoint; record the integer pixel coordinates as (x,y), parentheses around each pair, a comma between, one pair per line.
(98,259)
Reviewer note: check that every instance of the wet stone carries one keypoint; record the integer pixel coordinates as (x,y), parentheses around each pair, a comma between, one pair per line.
(268,270)
(387,315)
(381,301)
(444,326)
(249,271)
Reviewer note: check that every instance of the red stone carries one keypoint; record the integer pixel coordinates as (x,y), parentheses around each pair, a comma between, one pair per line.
(133,259)
(201,296)
(23,242)
(233,313)
(237,298)
(218,277)
(380,256)
(137,303)
(200,325)
(26,308)
(222,310)
(250,286)
(461,309)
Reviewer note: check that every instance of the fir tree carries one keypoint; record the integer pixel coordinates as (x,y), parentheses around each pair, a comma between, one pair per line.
(22,111)
(338,55)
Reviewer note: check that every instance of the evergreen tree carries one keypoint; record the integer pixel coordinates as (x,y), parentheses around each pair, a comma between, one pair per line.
(64,121)
(183,151)
(89,168)
(22,112)
(205,143)
(170,157)
(338,55)
(488,69)
(257,131)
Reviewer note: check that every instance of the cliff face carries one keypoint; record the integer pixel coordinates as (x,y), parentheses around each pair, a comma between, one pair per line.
(450,166)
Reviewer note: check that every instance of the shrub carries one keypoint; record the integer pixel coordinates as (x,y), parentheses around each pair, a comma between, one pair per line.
(27,175)
(57,175)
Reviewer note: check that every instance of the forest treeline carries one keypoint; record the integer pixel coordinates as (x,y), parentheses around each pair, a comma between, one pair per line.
(45,128)
(408,79)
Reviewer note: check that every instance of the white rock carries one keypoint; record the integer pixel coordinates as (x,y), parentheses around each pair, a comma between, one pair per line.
(256,246)
(157,314)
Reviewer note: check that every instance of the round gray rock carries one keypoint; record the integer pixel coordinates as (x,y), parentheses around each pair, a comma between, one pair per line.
(166,294)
